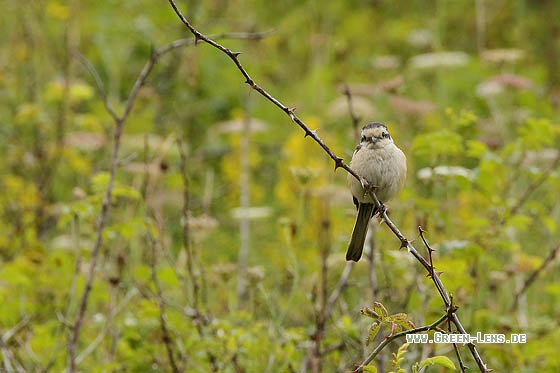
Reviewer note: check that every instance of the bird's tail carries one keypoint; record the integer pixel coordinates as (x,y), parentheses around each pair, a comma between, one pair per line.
(356,245)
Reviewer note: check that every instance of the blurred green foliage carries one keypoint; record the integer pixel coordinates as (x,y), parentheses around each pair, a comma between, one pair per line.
(470,91)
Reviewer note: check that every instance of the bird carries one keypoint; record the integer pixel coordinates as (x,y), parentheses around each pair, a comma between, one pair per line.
(383,165)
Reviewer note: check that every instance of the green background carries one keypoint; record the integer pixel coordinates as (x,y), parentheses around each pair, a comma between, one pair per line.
(470,90)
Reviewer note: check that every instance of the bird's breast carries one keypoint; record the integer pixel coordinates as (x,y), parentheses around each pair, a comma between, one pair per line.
(385,168)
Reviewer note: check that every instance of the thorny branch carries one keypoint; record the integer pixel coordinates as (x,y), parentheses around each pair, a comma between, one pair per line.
(339,163)
(392,337)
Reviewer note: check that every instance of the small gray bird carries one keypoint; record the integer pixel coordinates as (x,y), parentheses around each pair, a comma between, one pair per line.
(378,160)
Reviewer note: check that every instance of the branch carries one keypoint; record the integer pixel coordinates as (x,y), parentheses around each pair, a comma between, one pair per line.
(457,352)
(341,284)
(339,163)
(328,308)
(355,119)
(533,276)
(167,341)
(93,345)
(392,337)
(534,185)
(117,133)
(186,234)
(290,112)
(13,331)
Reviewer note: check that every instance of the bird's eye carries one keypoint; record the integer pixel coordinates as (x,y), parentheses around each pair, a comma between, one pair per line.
(385,135)
(363,138)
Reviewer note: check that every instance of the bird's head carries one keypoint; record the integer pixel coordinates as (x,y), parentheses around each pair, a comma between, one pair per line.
(375,135)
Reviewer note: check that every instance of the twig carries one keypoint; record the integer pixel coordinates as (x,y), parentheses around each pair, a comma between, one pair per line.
(355,119)
(455,347)
(339,163)
(13,331)
(7,355)
(117,133)
(459,358)
(392,337)
(166,337)
(9,359)
(93,345)
(331,301)
(100,226)
(244,204)
(533,186)
(314,357)
(341,284)
(198,317)
(195,286)
(372,273)
(431,270)
(533,276)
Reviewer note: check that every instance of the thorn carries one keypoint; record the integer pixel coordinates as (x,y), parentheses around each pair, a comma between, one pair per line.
(197,38)
(310,132)
(250,82)
(290,112)
(234,54)
(338,162)
(421,230)
(404,243)
(439,273)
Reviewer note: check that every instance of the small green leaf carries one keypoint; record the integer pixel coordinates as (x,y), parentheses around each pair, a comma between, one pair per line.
(537,133)
(126,192)
(443,143)
(370,313)
(399,316)
(380,310)
(476,149)
(443,361)
(373,330)
(399,357)
(369,368)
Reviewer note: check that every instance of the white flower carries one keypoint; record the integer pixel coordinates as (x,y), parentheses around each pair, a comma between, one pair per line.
(441,59)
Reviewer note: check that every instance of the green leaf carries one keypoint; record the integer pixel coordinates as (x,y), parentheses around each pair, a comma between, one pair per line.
(366,311)
(437,144)
(401,320)
(369,368)
(126,192)
(399,357)
(538,133)
(476,149)
(373,330)
(443,361)
(380,310)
